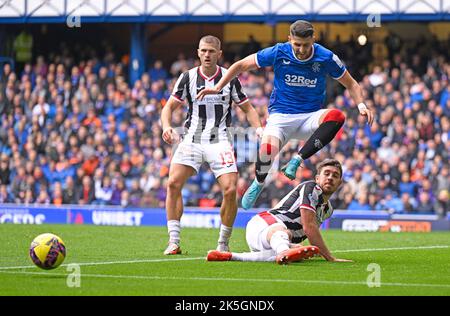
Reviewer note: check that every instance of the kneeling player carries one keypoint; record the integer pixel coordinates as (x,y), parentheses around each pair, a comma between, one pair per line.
(276,235)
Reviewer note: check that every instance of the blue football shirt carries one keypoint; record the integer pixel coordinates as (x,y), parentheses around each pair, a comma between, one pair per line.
(299,85)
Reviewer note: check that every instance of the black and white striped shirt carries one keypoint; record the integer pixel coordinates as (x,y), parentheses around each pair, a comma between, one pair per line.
(306,195)
(207,120)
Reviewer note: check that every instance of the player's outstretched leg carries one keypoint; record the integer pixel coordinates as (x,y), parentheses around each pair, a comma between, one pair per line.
(297,254)
(269,150)
(216,255)
(252,194)
(178,176)
(228,209)
(329,124)
(290,169)
(259,256)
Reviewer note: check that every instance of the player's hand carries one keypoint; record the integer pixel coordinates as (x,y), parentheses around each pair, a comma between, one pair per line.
(365,111)
(207,91)
(169,135)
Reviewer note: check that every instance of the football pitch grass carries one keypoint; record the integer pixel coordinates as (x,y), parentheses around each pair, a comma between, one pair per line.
(129,261)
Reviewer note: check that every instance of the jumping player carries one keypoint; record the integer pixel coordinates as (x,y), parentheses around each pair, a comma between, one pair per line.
(295,109)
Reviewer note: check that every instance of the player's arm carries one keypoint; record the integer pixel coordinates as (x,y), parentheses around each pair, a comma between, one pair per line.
(241,100)
(168,133)
(246,64)
(311,229)
(252,117)
(356,93)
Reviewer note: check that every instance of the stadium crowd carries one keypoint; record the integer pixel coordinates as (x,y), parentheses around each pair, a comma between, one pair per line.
(80,133)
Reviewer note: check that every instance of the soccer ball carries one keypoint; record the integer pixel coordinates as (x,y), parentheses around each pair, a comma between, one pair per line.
(47,251)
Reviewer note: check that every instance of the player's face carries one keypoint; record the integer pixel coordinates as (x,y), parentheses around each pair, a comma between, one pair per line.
(209,54)
(302,46)
(329,179)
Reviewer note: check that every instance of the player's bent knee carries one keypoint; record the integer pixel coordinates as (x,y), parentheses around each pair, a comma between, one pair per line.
(268,150)
(229,192)
(278,238)
(334,115)
(174,185)
(280,234)
(275,228)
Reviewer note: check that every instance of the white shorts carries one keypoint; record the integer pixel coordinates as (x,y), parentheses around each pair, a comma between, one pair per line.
(292,126)
(219,156)
(257,229)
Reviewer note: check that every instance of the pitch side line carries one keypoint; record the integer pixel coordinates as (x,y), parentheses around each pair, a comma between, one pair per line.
(203,258)
(144,277)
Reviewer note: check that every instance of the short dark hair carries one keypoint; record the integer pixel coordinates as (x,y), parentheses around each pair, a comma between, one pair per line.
(302,28)
(329,162)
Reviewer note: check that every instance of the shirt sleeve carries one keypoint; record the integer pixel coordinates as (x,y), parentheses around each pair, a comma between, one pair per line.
(335,67)
(310,196)
(267,56)
(237,94)
(180,88)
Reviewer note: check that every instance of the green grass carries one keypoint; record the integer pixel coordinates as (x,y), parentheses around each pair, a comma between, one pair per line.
(403,272)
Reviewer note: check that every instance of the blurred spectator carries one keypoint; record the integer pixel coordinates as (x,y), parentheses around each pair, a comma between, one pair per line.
(158,192)
(19,185)
(391,203)
(125,199)
(135,194)
(5,172)
(86,194)
(406,186)
(443,179)
(5,197)
(89,166)
(361,204)
(442,204)
(343,203)
(213,198)
(277,189)
(372,201)
(377,78)
(424,204)
(251,46)
(57,196)
(157,72)
(26,197)
(409,203)
(119,188)
(43,197)
(385,152)
(179,66)
(103,191)
(70,193)
(357,185)
(41,109)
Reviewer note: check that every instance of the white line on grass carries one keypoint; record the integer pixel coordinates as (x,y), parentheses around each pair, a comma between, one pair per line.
(389,249)
(112,262)
(145,277)
(203,258)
